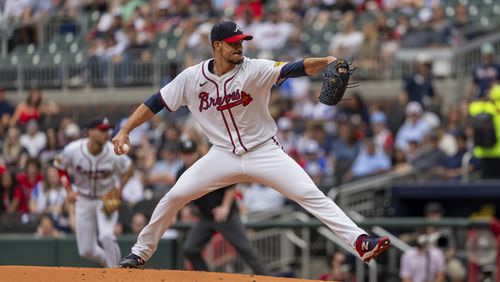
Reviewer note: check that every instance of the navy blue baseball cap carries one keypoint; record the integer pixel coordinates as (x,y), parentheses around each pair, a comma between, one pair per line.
(101,123)
(229,32)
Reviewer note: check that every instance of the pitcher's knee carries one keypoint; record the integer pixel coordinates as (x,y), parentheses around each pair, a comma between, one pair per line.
(177,198)
(311,193)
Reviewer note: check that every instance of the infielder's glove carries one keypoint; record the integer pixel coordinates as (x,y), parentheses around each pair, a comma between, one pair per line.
(111,201)
(335,83)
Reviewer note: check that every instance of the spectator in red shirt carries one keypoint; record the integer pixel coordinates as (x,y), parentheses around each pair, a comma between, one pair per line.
(7,187)
(26,182)
(382,135)
(255,6)
(339,268)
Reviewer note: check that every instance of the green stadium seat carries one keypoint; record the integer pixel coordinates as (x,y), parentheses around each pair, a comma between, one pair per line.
(485,22)
(52,48)
(304,37)
(327,36)
(449,11)
(177,33)
(69,38)
(168,55)
(94,16)
(74,47)
(79,58)
(14,60)
(162,43)
(36,59)
(473,11)
(22,50)
(57,59)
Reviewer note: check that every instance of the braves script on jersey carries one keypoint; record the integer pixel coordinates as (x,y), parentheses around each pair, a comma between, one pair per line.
(93,175)
(231,109)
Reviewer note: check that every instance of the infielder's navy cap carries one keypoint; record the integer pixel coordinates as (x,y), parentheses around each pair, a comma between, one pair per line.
(100,123)
(229,32)
(188,146)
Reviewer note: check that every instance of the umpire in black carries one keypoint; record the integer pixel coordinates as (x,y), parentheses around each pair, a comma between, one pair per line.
(218,212)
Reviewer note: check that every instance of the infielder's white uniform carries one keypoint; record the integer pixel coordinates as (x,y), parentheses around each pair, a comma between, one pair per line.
(233,112)
(94,175)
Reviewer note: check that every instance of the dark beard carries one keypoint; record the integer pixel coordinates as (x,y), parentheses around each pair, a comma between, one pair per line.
(238,62)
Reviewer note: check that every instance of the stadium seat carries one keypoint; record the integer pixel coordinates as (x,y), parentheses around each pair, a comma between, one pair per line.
(22,50)
(162,43)
(450,11)
(52,48)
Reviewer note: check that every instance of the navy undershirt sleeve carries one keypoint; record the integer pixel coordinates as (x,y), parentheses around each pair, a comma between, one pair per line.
(295,69)
(154,103)
(291,70)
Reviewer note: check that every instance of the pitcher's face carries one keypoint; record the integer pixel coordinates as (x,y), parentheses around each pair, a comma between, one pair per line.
(231,52)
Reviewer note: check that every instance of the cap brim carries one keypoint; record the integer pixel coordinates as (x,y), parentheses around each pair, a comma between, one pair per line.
(237,38)
(103,126)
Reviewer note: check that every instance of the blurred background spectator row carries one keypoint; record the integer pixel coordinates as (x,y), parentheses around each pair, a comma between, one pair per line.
(335,145)
(87,40)
(69,43)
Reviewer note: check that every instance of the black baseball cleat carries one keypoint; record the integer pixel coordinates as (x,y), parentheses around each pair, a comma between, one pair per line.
(370,247)
(132,261)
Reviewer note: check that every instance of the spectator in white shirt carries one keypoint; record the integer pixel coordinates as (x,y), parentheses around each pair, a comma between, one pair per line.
(370,161)
(33,140)
(287,138)
(422,263)
(259,198)
(17,8)
(347,42)
(272,34)
(414,128)
(162,175)
(133,191)
(48,196)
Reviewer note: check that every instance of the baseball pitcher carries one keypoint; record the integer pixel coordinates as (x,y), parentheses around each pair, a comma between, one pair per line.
(228,95)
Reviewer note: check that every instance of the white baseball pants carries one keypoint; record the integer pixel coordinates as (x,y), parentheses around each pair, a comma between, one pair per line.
(266,164)
(93,224)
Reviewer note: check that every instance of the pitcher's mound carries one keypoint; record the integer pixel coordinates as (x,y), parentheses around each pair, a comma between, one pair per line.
(56,274)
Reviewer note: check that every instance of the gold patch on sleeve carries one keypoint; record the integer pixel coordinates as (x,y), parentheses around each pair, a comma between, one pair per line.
(277,64)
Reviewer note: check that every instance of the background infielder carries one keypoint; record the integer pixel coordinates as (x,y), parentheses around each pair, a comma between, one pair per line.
(229,97)
(95,169)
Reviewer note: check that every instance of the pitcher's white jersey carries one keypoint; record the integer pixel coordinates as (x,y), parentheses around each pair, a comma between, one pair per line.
(93,175)
(232,109)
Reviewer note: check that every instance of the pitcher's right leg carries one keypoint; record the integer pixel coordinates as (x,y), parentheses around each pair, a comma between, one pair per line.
(216,169)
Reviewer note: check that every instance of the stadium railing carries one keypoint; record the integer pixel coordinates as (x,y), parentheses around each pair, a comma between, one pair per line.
(277,248)
(302,228)
(27,250)
(448,62)
(69,65)
(368,196)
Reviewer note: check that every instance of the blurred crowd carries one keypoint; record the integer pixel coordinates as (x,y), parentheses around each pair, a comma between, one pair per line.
(356,139)
(138,30)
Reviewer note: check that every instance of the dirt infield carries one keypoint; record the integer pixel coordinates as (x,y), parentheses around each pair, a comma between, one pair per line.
(56,274)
